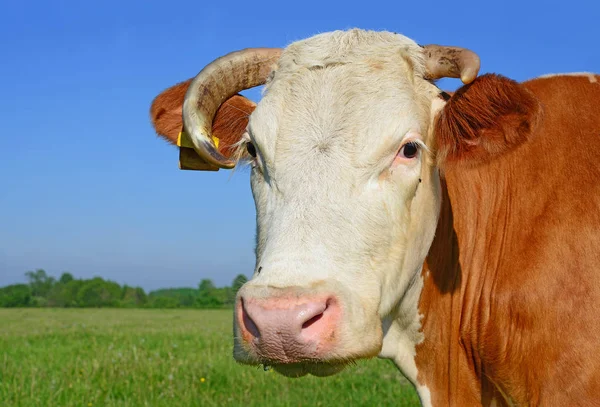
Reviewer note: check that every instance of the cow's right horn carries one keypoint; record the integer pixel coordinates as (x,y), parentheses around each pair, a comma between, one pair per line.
(217,82)
(451,62)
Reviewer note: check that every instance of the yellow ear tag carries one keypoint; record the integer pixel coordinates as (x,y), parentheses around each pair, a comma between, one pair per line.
(188,158)
(183,140)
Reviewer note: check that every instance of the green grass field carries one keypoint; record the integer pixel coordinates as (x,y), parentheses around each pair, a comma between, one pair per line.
(112,357)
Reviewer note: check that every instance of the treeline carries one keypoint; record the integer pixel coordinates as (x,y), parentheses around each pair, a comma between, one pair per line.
(43,290)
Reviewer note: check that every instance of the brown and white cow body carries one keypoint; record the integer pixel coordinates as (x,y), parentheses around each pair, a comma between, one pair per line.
(456,235)
(511,293)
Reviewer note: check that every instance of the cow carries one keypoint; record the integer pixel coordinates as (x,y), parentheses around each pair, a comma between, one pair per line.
(457,234)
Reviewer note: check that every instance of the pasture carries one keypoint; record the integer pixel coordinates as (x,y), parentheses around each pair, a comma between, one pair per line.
(134,357)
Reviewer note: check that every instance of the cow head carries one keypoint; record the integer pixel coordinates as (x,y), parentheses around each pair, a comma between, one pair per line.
(345,181)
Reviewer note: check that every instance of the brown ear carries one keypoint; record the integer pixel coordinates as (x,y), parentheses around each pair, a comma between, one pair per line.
(490,116)
(229,123)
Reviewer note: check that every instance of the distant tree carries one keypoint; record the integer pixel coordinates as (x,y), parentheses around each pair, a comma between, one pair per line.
(43,290)
(16,295)
(209,296)
(238,282)
(173,292)
(225,295)
(187,299)
(141,296)
(56,296)
(163,302)
(66,278)
(63,292)
(124,290)
(184,297)
(99,293)
(133,297)
(39,282)
(206,286)
(70,291)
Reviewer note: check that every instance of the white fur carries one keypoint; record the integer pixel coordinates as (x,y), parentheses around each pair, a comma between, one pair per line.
(402,333)
(332,216)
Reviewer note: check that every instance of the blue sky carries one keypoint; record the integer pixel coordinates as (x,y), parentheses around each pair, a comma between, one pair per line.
(87,187)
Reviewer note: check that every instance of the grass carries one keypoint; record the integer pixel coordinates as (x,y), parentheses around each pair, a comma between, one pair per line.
(116,357)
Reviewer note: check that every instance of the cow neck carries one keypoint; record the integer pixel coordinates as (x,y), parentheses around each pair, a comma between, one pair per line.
(453,297)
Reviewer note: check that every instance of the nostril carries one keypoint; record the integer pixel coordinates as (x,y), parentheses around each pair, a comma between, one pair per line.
(312,321)
(315,318)
(248,322)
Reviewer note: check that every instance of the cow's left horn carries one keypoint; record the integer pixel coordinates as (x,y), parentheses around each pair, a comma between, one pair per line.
(451,62)
(217,82)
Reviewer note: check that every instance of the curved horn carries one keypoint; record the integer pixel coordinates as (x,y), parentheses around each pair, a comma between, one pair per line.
(217,82)
(451,62)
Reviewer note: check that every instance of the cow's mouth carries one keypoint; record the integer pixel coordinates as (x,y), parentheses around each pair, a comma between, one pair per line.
(320,369)
(298,334)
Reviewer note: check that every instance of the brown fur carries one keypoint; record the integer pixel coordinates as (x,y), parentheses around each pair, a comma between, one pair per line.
(491,115)
(511,297)
(229,123)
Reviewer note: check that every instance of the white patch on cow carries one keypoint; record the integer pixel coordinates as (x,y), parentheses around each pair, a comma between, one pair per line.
(424,396)
(592,77)
(402,333)
(334,217)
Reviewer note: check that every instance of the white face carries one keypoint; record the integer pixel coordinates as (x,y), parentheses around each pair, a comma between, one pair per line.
(347,199)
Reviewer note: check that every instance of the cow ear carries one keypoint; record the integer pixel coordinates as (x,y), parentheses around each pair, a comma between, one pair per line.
(228,125)
(483,119)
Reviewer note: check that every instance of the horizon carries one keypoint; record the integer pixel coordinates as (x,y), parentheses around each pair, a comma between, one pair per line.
(89,188)
(57,277)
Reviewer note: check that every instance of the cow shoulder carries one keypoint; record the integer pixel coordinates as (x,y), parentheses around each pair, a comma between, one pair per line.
(229,123)
(488,117)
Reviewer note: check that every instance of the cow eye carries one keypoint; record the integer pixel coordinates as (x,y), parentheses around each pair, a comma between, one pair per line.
(251,149)
(409,150)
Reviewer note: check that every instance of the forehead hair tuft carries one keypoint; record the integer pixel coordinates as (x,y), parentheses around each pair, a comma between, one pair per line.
(352,46)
